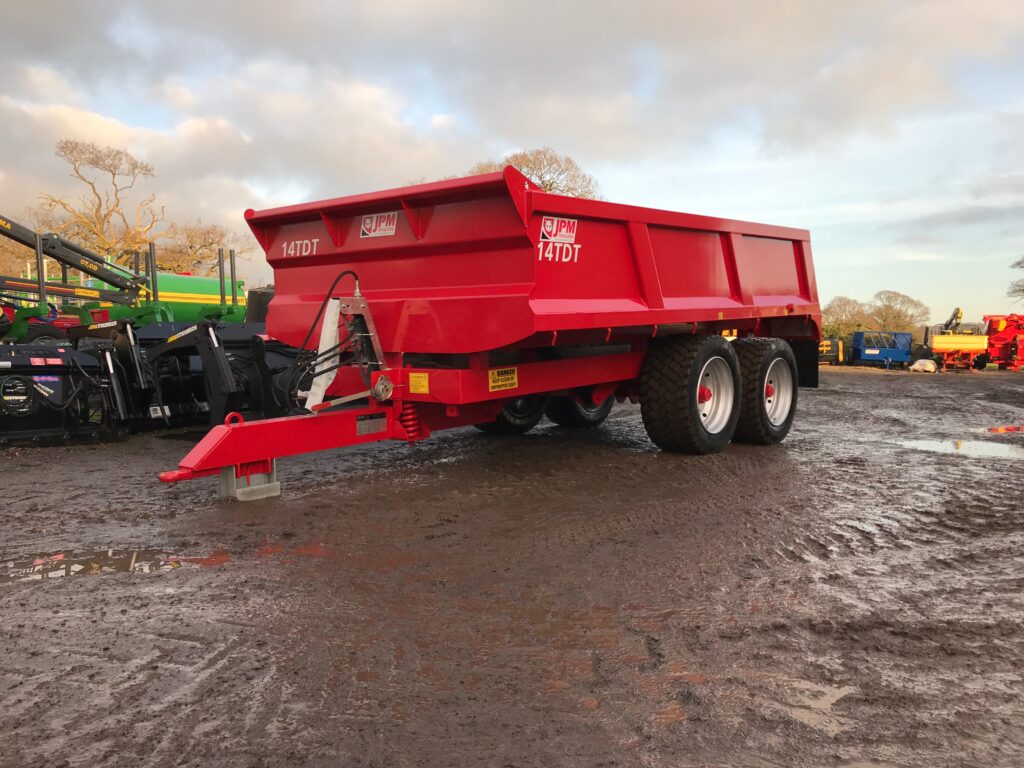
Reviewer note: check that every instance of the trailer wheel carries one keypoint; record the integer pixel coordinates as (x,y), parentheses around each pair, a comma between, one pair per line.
(579,413)
(518,417)
(42,333)
(689,393)
(768,402)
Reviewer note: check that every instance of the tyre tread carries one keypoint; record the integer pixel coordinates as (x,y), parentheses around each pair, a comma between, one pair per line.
(670,421)
(751,352)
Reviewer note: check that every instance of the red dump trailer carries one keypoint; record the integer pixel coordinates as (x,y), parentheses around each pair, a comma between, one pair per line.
(487,301)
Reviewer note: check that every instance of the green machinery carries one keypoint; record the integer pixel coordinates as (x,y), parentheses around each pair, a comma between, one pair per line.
(99,290)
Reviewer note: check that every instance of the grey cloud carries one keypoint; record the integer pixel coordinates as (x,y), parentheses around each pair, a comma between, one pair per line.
(566,73)
(964,216)
(1011,184)
(250,105)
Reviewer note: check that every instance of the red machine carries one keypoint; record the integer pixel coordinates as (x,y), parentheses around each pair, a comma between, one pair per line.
(1005,341)
(486,301)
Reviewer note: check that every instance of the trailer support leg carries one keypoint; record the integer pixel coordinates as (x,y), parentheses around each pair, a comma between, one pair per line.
(249,487)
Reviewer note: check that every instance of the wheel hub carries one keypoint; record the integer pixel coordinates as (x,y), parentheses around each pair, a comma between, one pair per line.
(779,385)
(715,395)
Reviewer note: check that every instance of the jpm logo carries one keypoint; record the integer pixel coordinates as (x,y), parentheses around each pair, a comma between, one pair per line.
(378,224)
(555,230)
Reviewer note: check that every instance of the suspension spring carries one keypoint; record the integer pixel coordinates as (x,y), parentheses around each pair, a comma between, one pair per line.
(410,421)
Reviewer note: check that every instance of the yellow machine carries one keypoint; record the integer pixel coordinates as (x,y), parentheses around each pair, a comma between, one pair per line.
(955,348)
(831,351)
(943,343)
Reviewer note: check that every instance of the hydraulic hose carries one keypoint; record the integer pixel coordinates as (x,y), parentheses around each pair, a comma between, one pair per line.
(319,313)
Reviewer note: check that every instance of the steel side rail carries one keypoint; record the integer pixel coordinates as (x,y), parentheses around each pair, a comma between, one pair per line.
(250,446)
(251,442)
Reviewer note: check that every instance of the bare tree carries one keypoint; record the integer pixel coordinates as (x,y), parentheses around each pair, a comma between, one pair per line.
(13,257)
(17,260)
(192,247)
(1016,289)
(551,171)
(894,311)
(104,218)
(842,316)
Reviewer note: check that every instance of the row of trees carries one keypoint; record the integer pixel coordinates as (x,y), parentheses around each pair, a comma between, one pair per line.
(887,311)
(113,219)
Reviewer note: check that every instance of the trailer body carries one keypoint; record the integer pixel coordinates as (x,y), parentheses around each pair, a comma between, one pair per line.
(481,291)
(481,263)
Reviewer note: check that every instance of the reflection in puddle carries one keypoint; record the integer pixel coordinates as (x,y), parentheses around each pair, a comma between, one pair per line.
(62,564)
(974,448)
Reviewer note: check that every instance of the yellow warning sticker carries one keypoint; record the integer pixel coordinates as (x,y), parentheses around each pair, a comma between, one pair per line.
(87,293)
(419,384)
(502,378)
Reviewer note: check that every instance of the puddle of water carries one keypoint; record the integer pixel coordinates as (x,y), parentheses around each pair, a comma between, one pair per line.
(62,564)
(979,449)
(812,704)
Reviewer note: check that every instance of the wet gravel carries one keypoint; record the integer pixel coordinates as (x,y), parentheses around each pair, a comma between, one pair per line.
(851,598)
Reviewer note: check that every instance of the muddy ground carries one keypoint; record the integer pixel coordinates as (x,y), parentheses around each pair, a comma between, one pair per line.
(850,598)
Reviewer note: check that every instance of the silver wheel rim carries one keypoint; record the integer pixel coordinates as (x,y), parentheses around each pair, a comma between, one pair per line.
(778,392)
(716,395)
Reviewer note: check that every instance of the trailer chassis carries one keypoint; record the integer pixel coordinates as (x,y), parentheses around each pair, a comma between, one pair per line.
(400,402)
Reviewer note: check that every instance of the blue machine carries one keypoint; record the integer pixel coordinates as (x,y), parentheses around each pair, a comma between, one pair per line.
(884,348)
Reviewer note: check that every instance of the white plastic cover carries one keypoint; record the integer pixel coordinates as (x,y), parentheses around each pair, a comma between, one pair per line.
(328,339)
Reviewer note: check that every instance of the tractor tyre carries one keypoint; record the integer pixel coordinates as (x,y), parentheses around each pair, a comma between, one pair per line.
(578,413)
(518,417)
(768,402)
(690,393)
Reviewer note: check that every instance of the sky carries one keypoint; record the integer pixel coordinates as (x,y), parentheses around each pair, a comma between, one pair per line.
(894,132)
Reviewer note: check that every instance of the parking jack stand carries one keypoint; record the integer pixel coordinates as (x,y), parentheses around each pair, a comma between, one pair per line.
(258,485)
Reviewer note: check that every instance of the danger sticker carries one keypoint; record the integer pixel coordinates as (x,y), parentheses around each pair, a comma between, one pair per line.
(379,224)
(419,383)
(556,230)
(502,378)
